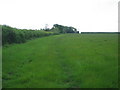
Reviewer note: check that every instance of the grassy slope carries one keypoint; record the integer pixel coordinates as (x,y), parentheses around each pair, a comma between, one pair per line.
(69,60)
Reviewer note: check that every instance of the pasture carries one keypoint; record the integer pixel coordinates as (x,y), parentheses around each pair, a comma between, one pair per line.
(62,61)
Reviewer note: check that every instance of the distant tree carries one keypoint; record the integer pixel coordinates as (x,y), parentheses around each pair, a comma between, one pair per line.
(64,29)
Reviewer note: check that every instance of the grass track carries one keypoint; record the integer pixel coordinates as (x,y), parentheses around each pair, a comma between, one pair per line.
(62,61)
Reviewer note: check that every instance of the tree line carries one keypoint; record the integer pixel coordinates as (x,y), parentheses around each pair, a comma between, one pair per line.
(62,29)
(13,35)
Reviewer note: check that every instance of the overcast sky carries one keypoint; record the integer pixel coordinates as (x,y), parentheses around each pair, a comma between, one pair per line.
(85,15)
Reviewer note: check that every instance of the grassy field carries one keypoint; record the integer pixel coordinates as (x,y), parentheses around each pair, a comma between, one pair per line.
(62,61)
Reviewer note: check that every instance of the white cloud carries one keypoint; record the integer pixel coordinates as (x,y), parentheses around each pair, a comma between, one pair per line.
(85,15)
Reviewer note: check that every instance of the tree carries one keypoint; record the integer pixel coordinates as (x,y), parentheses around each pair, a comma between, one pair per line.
(64,29)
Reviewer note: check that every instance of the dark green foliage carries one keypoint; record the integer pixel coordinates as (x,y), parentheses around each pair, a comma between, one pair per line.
(14,35)
(64,29)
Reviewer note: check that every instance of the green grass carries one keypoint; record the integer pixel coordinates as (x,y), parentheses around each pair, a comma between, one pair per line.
(62,61)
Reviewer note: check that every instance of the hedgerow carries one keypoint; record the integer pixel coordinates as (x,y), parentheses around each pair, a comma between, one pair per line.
(13,35)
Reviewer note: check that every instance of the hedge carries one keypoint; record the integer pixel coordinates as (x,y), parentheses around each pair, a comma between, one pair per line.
(13,35)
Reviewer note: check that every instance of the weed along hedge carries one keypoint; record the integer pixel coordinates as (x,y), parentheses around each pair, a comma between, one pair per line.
(13,35)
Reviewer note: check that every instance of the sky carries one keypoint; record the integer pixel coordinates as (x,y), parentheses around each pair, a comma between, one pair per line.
(85,15)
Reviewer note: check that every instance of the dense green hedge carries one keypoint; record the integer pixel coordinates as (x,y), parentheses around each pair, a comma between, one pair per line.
(14,35)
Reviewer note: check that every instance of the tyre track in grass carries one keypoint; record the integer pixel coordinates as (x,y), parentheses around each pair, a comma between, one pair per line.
(63,62)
